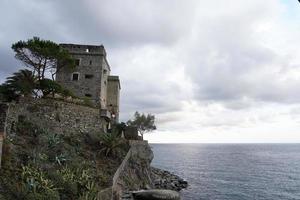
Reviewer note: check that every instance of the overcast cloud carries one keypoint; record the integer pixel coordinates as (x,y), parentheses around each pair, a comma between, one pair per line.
(211,71)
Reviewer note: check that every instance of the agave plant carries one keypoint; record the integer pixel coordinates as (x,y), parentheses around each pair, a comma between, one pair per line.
(36,180)
(109,142)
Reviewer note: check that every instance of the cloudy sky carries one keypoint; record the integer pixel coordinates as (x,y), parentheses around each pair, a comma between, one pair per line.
(210,70)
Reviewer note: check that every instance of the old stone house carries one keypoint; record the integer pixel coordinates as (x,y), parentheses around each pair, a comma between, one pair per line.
(91,78)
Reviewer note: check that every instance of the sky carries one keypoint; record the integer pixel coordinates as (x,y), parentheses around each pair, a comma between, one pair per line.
(211,71)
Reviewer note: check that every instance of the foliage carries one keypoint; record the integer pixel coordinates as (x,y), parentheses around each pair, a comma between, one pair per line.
(110,142)
(7,93)
(25,83)
(42,56)
(144,123)
(88,101)
(67,93)
(22,83)
(38,164)
(118,128)
(35,180)
(48,86)
(54,140)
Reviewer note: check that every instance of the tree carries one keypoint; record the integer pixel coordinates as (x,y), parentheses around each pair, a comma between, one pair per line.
(7,94)
(42,56)
(144,123)
(25,83)
(22,82)
(48,86)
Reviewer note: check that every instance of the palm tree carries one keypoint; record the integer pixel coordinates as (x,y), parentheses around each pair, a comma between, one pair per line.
(22,82)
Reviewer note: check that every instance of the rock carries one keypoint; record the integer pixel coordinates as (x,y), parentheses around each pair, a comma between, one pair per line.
(163,179)
(156,195)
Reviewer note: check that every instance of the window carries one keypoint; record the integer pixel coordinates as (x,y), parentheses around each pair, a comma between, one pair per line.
(104,71)
(75,76)
(77,62)
(88,95)
(91,62)
(88,76)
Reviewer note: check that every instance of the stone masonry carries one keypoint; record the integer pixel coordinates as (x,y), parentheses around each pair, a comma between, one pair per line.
(3,116)
(91,77)
(56,116)
(113,96)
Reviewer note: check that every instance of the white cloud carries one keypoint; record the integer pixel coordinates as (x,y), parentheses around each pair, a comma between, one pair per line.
(211,71)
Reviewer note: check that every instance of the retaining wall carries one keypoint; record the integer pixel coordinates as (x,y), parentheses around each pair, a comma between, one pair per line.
(55,116)
(3,116)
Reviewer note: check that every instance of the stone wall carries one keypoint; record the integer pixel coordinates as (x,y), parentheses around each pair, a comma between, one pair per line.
(92,69)
(135,172)
(113,95)
(3,114)
(56,116)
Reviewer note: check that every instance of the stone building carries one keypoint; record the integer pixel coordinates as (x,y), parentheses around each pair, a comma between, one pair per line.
(91,78)
(113,96)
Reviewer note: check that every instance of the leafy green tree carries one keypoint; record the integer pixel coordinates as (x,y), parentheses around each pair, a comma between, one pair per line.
(48,86)
(7,93)
(144,123)
(42,56)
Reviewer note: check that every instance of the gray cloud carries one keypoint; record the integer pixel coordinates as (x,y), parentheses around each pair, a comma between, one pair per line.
(169,52)
(228,61)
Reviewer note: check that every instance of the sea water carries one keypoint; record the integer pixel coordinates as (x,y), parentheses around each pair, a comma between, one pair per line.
(233,171)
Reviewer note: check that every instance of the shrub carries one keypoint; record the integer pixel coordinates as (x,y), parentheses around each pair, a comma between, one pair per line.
(110,142)
(48,86)
(67,93)
(36,181)
(88,101)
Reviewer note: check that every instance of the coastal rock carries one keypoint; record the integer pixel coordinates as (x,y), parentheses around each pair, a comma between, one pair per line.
(156,195)
(163,179)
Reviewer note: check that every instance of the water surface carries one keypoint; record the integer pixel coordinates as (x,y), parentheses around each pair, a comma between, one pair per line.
(233,171)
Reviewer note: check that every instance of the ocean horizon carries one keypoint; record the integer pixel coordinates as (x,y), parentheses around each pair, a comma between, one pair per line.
(233,171)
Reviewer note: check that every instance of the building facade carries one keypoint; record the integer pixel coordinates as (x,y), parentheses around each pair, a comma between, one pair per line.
(90,79)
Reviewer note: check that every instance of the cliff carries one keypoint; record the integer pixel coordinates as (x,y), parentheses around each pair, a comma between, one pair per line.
(52,150)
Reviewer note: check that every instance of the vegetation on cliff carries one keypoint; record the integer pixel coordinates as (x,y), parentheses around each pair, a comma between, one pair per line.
(144,123)
(40,165)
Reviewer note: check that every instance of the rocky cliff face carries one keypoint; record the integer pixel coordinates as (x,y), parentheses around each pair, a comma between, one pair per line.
(56,137)
(135,172)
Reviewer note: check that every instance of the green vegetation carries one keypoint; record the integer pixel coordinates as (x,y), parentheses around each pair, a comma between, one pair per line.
(144,123)
(110,142)
(42,56)
(39,165)
(24,83)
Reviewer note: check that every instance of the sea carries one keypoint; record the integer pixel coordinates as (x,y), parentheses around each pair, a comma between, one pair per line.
(233,171)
